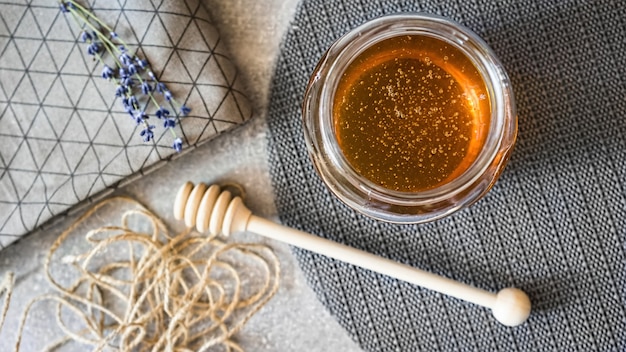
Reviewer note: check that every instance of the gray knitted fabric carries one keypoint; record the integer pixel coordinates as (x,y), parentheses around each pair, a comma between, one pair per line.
(555,223)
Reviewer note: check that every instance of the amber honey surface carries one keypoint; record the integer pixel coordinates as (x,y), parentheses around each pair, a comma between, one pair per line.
(411,113)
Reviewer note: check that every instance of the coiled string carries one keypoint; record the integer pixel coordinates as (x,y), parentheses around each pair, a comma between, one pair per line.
(139,288)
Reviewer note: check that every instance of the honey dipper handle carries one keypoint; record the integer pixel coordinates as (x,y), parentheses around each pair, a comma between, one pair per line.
(371,262)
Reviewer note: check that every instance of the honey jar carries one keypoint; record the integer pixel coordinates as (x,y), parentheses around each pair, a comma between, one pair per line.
(409,118)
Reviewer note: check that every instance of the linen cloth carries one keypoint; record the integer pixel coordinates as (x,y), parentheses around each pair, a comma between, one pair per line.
(554,225)
(65,139)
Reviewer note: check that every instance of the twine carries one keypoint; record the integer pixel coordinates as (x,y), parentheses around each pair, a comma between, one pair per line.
(6,289)
(181,292)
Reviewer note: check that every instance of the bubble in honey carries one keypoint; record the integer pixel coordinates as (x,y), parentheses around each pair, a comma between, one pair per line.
(411,113)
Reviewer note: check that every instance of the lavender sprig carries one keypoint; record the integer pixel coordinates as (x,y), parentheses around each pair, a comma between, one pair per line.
(127,69)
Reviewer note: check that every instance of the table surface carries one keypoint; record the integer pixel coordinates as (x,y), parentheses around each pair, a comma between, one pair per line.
(294,320)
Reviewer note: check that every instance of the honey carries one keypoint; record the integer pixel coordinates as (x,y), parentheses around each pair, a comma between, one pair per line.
(411,113)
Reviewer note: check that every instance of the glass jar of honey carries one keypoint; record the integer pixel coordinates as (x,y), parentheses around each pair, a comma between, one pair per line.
(409,118)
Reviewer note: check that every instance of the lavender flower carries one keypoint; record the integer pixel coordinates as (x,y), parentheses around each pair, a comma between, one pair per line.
(113,35)
(142,63)
(169,123)
(161,88)
(151,74)
(146,88)
(168,95)
(86,37)
(130,104)
(178,145)
(184,110)
(127,81)
(128,107)
(65,7)
(123,72)
(147,133)
(93,49)
(140,117)
(120,91)
(107,73)
(162,113)
(132,69)
(125,59)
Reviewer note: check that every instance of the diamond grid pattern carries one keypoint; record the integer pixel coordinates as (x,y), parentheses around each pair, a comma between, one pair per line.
(64,138)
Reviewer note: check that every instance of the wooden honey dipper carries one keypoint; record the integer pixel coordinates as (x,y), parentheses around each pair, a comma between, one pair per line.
(215,210)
